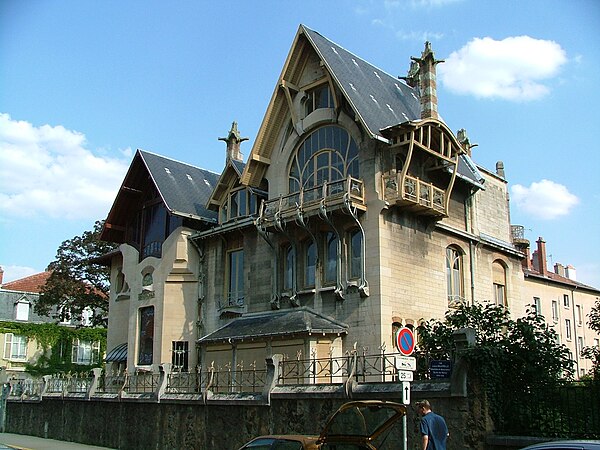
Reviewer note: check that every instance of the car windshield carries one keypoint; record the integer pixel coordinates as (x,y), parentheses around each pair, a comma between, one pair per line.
(360,421)
(274,444)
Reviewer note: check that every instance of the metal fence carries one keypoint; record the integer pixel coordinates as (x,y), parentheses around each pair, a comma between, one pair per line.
(568,409)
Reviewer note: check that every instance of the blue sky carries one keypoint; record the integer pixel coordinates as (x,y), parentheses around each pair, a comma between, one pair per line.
(83,84)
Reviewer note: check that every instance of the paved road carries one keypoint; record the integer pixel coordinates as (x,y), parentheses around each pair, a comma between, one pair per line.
(23,442)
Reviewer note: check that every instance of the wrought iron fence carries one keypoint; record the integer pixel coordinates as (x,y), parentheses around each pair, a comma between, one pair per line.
(186,382)
(111,384)
(567,409)
(26,388)
(71,384)
(142,383)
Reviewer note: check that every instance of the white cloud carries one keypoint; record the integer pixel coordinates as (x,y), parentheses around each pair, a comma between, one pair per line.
(511,69)
(12,273)
(47,171)
(544,199)
(419,36)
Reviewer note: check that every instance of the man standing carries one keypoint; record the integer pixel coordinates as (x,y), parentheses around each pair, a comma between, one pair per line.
(433,427)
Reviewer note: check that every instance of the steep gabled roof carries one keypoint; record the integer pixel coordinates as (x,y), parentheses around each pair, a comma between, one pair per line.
(233,169)
(184,189)
(32,283)
(379,99)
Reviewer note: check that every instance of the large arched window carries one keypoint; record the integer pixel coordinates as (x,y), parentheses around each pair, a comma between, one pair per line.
(454,276)
(327,154)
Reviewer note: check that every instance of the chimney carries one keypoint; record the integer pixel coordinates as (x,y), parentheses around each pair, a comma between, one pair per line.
(559,269)
(526,263)
(233,141)
(541,257)
(571,273)
(427,82)
(1,275)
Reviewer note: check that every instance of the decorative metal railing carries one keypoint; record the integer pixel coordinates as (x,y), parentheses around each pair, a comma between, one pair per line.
(111,384)
(26,388)
(141,383)
(329,192)
(70,383)
(412,190)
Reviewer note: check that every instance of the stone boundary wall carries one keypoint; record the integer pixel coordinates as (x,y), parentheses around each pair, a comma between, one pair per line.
(227,422)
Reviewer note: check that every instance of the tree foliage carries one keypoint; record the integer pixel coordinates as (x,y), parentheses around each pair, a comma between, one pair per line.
(78,283)
(511,357)
(593,353)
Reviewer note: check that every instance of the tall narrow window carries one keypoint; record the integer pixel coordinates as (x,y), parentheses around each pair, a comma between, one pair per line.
(578,315)
(236,278)
(179,359)
(537,304)
(310,263)
(499,277)
(454,276)
(288,270)
(568,329)
(355,254)
(566,301)
(579,343)
(15,346)
(331,257)
(555,310)
(146,336)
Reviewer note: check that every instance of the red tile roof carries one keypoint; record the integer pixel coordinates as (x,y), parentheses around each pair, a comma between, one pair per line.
(32,283)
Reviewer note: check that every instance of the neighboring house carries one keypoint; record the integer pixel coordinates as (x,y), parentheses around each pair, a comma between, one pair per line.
(17,300)
(358,211)
(564,302)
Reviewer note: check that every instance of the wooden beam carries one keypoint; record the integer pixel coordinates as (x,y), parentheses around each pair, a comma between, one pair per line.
(261,159)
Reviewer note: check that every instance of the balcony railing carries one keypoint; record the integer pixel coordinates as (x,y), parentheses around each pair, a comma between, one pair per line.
(333,194)
(411,191)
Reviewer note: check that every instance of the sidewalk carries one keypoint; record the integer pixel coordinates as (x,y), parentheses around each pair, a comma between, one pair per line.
(24,442)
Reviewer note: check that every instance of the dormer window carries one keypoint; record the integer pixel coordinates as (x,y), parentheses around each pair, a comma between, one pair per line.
(242,202)
(319,97)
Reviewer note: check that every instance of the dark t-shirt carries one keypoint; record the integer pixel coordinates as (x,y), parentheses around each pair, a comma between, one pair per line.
(435,427)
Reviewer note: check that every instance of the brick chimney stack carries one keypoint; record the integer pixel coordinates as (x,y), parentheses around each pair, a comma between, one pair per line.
(233,141)
(1,275)
(541,257)
(427,82)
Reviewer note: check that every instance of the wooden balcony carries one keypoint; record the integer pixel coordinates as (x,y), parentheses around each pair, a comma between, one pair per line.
(333,196)
(416,195)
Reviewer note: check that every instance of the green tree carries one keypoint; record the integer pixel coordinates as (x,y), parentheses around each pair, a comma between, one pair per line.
(514,359)
(593,353)
(78,282)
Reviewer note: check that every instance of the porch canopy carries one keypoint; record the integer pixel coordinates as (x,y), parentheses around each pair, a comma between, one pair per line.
(117,354)
(280,324)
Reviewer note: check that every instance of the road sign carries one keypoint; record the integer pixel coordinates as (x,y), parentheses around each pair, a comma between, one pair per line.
(405,375)
(406,393)
(406,363)
(405,341)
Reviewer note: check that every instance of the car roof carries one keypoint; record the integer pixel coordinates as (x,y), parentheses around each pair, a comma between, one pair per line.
(566,445)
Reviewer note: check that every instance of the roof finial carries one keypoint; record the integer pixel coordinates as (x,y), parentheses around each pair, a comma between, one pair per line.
(233,141)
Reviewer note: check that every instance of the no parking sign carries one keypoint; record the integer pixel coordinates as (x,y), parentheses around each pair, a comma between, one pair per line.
(405,341)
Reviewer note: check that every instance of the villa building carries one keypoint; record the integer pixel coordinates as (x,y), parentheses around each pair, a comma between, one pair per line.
(358,211)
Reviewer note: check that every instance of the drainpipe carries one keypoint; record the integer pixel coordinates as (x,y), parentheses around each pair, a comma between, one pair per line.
(575,331)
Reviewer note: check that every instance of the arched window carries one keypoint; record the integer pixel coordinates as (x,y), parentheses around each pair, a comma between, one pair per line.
(310,263)
(331,257)
(499,278)
(454,276)
(327,154)
(288,269)
(355,253)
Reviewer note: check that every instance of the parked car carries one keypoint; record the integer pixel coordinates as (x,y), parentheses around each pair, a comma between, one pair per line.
(359,425)
(565,445)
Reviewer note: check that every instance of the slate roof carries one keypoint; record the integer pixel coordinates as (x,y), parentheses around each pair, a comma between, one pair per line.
(32,283)
(185,189)
(283,323)
(380,99)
